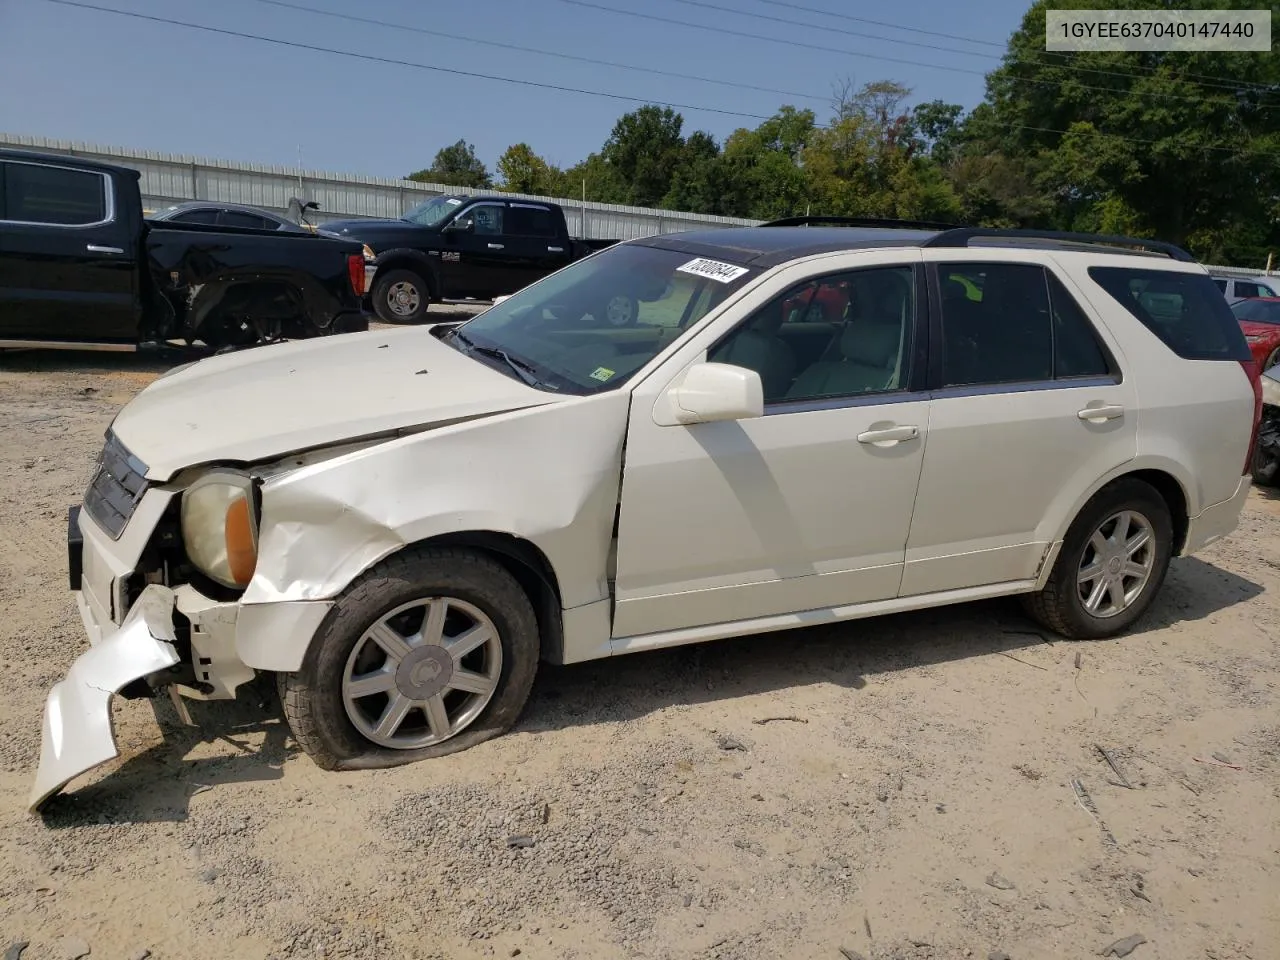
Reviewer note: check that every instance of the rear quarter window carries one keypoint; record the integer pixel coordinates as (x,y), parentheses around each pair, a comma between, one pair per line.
(1186,311)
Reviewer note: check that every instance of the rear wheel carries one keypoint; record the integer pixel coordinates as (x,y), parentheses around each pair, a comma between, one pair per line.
(1113,562)
(429,653)
(401,296)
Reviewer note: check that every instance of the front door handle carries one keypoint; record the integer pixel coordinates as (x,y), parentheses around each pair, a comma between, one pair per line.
(95,248)
(555,249)
(1101,413)
(890,435)
(496,246)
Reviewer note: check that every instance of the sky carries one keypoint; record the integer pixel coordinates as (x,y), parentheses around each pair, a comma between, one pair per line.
(81,74)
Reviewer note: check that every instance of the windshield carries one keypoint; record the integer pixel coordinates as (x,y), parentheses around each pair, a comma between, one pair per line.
(1257,311)
(433,211)
(590,326)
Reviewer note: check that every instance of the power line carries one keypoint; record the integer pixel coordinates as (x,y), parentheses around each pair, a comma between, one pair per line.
(866,56)
(850,33)
(883,23)
(401,63)
(1225,83)
(545,53)
(529,83)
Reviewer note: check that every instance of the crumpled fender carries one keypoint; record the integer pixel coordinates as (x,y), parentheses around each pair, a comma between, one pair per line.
(77,733)
(548,474)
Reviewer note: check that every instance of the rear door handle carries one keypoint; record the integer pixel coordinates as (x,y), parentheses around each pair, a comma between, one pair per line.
(1102,413)
(496,246)
(95,248)
(890,435)
(555,249)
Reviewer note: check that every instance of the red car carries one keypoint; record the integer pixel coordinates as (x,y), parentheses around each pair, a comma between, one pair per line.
(1259,318)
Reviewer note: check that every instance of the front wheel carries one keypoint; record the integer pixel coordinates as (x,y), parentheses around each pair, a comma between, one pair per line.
(1113,562)
(400,296)
(429,653)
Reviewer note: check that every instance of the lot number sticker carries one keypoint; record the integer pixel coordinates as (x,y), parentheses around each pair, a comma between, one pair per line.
(713,270)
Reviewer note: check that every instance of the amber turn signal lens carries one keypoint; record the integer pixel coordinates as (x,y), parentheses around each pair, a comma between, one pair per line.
(242,551)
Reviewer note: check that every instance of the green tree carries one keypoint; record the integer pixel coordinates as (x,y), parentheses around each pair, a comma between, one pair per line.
(458,166)
(1183,146)
(644,150)
(523,171)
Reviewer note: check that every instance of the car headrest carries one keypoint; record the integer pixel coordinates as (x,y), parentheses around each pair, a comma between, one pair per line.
(871,344)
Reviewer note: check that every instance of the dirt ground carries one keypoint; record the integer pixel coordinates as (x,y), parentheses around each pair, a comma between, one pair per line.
(897,788)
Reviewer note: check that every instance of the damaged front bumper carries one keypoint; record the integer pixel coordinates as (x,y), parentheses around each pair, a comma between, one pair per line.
(77,733)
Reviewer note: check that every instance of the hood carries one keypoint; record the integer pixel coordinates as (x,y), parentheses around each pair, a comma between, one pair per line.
(268,401)
(361,229)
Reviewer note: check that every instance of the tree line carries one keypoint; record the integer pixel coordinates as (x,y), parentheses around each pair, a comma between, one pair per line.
(1182,147)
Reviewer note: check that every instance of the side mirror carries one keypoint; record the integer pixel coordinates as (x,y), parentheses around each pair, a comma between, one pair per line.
(717,391)
(462,225)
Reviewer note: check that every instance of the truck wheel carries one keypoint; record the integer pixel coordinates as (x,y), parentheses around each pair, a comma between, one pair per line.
(430,652)
(1113,562)
(401,296)
(621,311)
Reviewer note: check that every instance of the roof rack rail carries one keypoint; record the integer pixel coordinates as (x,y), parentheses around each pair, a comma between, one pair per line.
(859,222)
(961,236)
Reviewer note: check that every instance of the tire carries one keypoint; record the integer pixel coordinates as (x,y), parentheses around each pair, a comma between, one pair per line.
(1060,607)
(401,296)
(1264,468)
(620,311)
(318,702)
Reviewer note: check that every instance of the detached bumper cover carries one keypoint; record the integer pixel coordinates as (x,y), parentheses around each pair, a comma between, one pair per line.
(1217,521)
(78,734)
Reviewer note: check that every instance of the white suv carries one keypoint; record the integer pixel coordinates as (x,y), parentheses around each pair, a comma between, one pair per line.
(802,425)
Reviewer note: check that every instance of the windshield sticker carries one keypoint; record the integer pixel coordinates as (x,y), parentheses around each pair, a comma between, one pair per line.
(453,201)
(713,270)
(602,374)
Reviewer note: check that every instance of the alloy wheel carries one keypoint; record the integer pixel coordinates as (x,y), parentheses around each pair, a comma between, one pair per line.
(422,673)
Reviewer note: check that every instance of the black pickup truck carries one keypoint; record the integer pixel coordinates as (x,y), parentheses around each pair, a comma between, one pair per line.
(455,248)
(81,268)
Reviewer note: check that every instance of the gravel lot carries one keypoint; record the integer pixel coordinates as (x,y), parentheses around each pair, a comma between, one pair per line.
(910,795)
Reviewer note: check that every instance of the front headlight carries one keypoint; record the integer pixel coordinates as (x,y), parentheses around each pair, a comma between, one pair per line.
(220,527)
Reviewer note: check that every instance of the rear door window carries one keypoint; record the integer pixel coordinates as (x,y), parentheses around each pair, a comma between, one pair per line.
(996,324)
(1184,310)
(1076,349)
(1244,289)
(530,221)
(35,193)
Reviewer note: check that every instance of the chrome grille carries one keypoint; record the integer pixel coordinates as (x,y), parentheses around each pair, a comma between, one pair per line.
(119,480)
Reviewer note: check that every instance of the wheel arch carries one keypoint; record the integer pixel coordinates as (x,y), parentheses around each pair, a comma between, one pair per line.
(526,563)
(404,258)
(1161,477)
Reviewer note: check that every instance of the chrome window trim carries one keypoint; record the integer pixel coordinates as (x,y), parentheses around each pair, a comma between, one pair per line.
(781,407)
(1022,386)
(109,197)
(528,206)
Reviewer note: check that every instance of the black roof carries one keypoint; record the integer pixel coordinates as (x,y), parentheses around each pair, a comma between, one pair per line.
(34,156)
(761,247)
(183,205)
